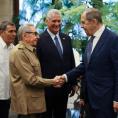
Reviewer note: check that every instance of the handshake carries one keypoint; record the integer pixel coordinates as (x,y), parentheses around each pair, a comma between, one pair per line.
(58,81)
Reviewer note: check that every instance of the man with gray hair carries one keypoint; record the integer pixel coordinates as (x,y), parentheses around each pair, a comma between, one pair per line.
(99,67)
(27,85)
(54,51)
(7,36)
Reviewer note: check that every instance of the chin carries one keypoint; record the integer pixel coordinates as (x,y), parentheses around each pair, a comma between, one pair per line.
(34,45)
(88,34)
(55,31)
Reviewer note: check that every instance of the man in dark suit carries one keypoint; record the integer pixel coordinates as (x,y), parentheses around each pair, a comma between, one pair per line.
(101,70)
(56,58)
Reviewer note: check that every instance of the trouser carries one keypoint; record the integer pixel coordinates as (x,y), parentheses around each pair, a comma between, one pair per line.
(101,113)
(56,106)
(4,108)
(31,116)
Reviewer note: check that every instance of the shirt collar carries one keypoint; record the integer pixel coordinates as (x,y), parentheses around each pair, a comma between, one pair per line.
(51,34)
(29,47)
(99,32)
(4,45)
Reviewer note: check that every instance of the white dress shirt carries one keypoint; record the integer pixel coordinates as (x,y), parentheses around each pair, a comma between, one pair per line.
(4,70)
(53,36)
(97,35)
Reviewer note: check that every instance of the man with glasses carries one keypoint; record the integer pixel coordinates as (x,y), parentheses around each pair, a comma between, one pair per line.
(7,36)
(27,86)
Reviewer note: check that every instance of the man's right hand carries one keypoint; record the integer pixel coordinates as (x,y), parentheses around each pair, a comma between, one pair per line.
(58,81)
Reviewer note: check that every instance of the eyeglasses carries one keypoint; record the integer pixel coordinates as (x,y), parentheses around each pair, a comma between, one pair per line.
(33,33)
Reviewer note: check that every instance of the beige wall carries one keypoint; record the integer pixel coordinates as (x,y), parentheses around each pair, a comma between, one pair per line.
(6,9)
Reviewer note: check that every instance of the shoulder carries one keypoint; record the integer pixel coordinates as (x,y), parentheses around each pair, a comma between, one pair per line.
(112,38)
(15,50)
(44,34)
(64,36)
(14,53)
(110,33)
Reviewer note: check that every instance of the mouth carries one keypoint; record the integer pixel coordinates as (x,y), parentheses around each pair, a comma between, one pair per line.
(56,28)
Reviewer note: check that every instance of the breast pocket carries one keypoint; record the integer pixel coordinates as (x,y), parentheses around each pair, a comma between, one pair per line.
(36,67)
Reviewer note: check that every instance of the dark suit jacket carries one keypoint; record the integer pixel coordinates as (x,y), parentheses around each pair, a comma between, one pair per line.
(51,62)
(101,74)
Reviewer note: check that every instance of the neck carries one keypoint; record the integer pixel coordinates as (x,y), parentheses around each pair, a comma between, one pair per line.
(97,28)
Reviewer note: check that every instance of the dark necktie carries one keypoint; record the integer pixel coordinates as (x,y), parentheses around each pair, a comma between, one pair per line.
(89,48)
(58,46)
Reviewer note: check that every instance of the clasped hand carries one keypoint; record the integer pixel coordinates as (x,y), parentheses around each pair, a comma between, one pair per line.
(58,81)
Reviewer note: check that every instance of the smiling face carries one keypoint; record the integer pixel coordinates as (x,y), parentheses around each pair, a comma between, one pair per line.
(54,23)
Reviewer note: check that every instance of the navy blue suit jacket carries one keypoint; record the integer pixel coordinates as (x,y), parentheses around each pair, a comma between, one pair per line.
(101,74)
(51,62)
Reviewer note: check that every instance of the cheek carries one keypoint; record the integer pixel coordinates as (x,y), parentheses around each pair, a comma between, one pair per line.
(52,26)
(10,38)
(88,28)
(34,40)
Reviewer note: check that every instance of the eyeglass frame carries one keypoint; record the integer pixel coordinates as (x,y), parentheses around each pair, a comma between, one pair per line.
(34,33)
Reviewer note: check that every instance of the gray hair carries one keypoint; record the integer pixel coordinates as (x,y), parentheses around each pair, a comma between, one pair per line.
(22,29)
(4,24)
(51,12)
(92,13)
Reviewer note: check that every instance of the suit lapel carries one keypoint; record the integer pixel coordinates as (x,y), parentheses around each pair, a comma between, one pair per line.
(51,44)
(63,40)
(64,43)
(97,48)
(99,44)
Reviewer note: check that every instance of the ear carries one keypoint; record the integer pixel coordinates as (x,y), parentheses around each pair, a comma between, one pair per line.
(46,21)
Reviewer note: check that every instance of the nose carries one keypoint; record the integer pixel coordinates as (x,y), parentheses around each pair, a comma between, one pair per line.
(82,26)
(57,23)
(14,33)
(36,37)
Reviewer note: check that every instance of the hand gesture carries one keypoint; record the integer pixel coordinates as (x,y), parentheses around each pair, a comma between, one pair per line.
(58,81)
(115,106)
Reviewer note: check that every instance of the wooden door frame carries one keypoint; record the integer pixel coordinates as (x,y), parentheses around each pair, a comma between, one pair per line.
(16,12)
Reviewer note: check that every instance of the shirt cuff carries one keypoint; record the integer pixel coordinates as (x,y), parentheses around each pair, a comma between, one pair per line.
(115,102)
(65,76)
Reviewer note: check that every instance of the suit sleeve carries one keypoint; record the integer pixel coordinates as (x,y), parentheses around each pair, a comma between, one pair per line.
(76,72)
(114,56)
